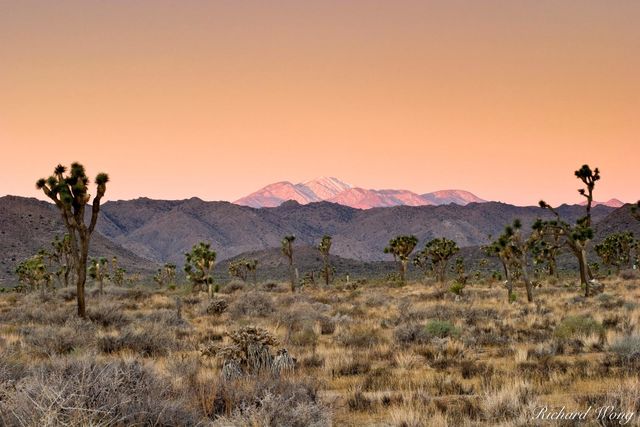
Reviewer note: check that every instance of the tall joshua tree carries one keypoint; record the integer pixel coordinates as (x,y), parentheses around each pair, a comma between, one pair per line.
(439,251)
(287,251)
(199,265)
(324,248)
(401,247)
(70,193)
(578,236)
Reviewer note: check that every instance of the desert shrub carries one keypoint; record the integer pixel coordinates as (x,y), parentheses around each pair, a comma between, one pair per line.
(445,385)
(512,401)
(577,326)
(268,401)
(216,306)
(304,337)
(89,392)
(106,314)
(441,329)
(411,333)
(629,274)
(359,336)
(232,287)
(34,312)
(356,366)
(456,288)
(313,361)
(627,349)
(146,339)
(252,304)
(164,317)
(358,402)
(57,340)
(327,325)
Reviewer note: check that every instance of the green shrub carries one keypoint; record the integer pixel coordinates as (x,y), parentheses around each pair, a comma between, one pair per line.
(578,326)
(441,329)
(456,288)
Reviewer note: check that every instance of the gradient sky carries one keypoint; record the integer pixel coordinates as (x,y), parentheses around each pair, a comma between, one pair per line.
(217,98)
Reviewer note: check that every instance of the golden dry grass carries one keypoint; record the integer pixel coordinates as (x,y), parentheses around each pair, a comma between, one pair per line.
(376,355)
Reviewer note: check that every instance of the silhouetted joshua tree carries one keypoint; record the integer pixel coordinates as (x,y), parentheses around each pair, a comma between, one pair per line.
(287,251)
(70,193)
(401,247)
(324,248)
(577,237)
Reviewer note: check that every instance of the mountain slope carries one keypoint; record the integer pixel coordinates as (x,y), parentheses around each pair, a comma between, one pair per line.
(28,224)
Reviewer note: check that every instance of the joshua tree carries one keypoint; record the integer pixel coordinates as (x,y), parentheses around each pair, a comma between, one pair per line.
(578,236)
(546,249)
(520,248)
(165,275)
(33,272)
(117,273)
(401,247)
(287,251)
(503,250)
(422,261)
(615,250)
(98,271)
(243,268)
(252,266)
(324,247)
(439,251)
(70,193)
(199,265)
(60,258)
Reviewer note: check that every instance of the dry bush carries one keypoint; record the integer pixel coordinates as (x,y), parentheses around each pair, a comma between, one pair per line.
(107,314)
(145,339)
(216,307)
(56,340)
(252,304)
(88,392)
(359,336)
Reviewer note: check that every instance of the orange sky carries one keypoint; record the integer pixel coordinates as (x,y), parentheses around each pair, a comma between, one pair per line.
(217,98)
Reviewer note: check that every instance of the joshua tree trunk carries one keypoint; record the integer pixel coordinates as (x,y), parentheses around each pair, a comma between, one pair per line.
(584,274)
(525,277)
(292,275)
(403,269)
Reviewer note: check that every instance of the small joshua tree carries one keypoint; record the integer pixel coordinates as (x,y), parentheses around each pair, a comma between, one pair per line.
(98,271)
(238,269)
(165,275)
(199,265)
(578,236)
(401,247)
(33,274)
(70,193)
(60,257)
(615,250)
(503,250)
(287,251)
(439,252)
(324,248)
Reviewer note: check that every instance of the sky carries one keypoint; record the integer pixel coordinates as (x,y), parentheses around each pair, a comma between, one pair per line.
(216,99)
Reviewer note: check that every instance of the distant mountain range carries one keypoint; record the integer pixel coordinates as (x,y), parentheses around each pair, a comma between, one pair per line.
(336,191)
(144,233)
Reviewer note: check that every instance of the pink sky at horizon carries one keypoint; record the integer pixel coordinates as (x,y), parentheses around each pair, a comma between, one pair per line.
(176,99)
